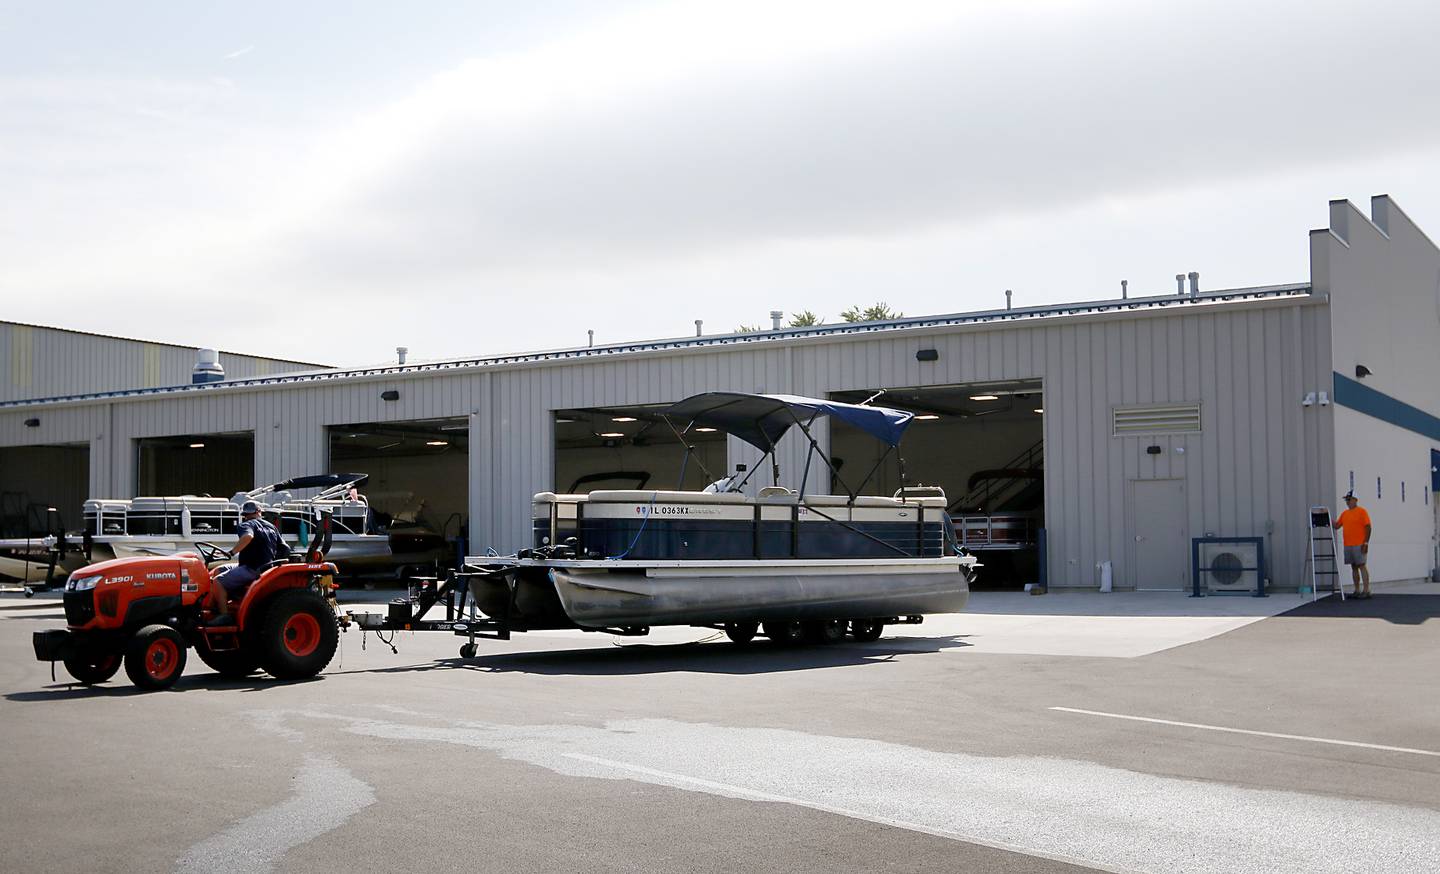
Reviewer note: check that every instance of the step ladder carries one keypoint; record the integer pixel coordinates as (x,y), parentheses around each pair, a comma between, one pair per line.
(1324,560)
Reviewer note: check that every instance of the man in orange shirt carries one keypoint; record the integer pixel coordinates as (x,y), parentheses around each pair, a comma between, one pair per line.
(1354,524)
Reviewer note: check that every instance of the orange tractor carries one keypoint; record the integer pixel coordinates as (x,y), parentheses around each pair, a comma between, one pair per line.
(146,612)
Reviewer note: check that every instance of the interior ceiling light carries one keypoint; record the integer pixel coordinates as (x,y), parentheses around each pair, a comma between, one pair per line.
(984,397)
(197,445)
(926,418)
(1039,409)
(612,434)
(706,430)
(623,419)
(564,421)
(437,442)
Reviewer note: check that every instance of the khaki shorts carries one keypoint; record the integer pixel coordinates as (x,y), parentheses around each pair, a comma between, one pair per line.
(1355,555)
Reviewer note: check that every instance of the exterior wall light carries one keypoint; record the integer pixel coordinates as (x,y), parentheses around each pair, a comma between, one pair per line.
(32,423)
(927,355)
(1361,371)
(390,395)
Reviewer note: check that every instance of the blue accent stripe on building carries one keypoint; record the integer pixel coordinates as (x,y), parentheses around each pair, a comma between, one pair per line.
(1367,400)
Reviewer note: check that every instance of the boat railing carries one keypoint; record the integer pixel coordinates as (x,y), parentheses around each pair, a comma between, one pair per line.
(777,524)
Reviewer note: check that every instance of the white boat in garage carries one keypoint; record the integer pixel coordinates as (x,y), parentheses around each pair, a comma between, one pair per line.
(783,561)
(147,526)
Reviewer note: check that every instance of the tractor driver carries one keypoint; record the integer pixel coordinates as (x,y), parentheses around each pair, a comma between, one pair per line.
(258,545)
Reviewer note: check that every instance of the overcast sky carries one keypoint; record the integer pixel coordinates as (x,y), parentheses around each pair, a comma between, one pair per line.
(328,180)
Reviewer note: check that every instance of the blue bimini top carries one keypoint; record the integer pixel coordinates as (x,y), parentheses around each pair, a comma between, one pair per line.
(761,420)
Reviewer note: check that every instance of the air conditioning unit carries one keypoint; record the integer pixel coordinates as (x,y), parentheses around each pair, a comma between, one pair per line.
(1229,565)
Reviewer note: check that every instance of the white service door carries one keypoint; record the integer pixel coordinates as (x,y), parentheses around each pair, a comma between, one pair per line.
(1161,545)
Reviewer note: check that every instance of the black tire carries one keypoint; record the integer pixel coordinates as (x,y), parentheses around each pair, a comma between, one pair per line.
(467,651)
(155,657)
(232,664)
(298,636)
(741,632)
(783,632)
(95,669)
(866,630)
(823,630)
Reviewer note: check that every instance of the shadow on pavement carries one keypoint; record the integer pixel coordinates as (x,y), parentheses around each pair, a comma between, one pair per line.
(1399,609)
(635,659)
(120,687)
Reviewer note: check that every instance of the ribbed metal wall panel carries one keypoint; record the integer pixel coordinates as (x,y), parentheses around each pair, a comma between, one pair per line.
(40,362)
(1259,462)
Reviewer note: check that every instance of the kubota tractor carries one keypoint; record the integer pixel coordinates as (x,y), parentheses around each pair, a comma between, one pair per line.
(147,611)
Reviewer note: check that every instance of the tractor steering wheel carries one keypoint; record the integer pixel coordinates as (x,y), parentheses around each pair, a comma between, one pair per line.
(210,553)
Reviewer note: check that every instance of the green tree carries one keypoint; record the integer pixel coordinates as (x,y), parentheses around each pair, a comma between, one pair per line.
(876,313)
(805,319)
(746,329)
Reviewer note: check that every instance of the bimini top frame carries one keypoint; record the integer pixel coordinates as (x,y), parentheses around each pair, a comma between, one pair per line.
(762,420)
(331,485)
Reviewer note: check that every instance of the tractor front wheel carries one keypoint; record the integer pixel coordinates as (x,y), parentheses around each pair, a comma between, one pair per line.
(298,637)
(94,669)
(155,657)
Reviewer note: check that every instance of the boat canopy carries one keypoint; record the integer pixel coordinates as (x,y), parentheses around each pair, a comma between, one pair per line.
(761,420)
(317,481)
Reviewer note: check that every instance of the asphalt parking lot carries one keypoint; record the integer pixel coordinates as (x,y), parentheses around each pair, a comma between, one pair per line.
(1040,734)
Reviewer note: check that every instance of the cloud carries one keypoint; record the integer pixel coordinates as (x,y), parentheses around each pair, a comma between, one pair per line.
(702,128)
(238,53)
(750,152)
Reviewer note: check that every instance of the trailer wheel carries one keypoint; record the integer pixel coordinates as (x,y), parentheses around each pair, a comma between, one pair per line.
(823,630)
(232,664)
(155,657)
(298,637)
(467,651)
(741,632)
(783,632)
(866,630)
(93,670)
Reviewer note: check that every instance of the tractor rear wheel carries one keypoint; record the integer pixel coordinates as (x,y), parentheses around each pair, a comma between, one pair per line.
(94,669)
(232,664)
(155,657)
(298,636)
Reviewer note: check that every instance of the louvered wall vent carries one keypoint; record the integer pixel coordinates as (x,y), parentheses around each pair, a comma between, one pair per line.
(1160,419)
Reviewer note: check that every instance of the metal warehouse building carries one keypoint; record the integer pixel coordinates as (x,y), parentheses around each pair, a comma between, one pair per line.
(1121,428)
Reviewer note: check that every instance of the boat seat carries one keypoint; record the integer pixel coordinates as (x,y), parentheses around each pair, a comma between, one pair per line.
(641,496)
(827,500)
(775,491)
(553,498)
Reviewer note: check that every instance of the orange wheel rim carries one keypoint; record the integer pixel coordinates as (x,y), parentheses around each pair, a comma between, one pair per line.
(161,658)
(302,634)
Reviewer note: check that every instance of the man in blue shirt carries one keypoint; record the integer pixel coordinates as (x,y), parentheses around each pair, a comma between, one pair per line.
(258,545)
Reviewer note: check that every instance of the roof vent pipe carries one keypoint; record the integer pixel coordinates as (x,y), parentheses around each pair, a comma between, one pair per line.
(591,333)
(207,367)
(1194,285)
(1180,284)
(775,317)
(401,352)
(1007,298)
(1124,289)
(699,327)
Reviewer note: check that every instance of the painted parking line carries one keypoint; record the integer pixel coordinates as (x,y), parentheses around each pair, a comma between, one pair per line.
(1317,740)
(734,791)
